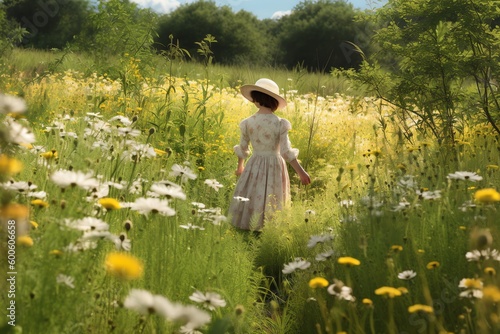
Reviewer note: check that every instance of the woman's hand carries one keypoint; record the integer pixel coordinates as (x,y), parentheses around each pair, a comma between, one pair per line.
(305,178)
(239,170)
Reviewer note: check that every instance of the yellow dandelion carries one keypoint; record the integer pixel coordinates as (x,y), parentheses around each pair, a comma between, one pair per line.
(487,195)
(49,155)
(348,261)
(318,282)
(34,224)
(124,266)
(471,283)
(403,290)
(491,293)
(490,271)
(420,308)
(396,248)
(24,240)
(10,166)
(110,203)
(367,301)
(201,168)
(56,252)
(432,265)
(39,203)
(388,291)
(14,211)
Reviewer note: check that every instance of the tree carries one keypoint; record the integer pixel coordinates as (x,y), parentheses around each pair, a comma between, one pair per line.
(238,38)
(439,48)
(10,32)
(317,34)
(49,23)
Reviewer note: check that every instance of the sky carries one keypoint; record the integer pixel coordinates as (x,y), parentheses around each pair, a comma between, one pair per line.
(263,9)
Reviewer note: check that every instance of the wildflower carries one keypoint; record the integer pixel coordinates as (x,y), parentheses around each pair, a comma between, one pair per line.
(149,205)
(487,195)
(19,186)
(34,224)
(466,176)
(192,316)
(49,154)
(341,291)
(298,263)
(12,104)
(190,226)
(432,265)
(168,189)
(318,282)
(66,280)
(492,167)
(109,203)
(24,240)
(9,166)
(124,266)
(17,133)
(349,261)
(490,271)
(473,288)
(210,300)
(346,203)
(39,203)
(403,205)
(66,178)
(214,184)
(145,303)
(56,252)
(87,224)
(491,293)
(241,199)
(324,255)
(319,239)
(396,248)
(481,238)
(124,120)
(308,214)
(407,275)
(367,301)
(429,195)
(420,308)
(403,290)
(388,291)
(122,242)
(183,172)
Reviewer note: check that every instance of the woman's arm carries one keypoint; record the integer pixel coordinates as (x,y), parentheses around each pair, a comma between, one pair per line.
(241,167)
(304,177)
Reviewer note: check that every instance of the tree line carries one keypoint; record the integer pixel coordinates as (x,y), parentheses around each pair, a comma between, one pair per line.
(317,34)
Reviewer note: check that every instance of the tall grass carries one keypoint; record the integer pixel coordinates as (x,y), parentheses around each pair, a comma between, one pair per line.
(391,205)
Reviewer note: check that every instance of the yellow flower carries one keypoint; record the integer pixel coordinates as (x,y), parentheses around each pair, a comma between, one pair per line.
(124,266)
(318,282)
(420,251)
(34,224)
(491,293)
(432,265)
(487,195)
(14,211)
(472,283)
(348,261)
(351,167)
(56,252)
(40,203)
(49,155)
(24,240)
(26,145)
(388,291)
(201,168)
(367,302)
(420,308)
(403,290)
(110,203)
(463,228)
(396,248)
(10,166)
(160,152)
(490,271)
(492,167)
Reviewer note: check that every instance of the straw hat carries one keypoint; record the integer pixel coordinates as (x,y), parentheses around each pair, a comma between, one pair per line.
(266,86)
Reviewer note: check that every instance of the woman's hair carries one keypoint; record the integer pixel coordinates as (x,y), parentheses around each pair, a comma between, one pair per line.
(264,100)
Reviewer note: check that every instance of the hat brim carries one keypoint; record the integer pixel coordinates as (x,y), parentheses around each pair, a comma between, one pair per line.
(246,91)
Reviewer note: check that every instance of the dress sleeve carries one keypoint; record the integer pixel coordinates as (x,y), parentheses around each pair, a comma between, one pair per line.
(287,152)
(242,150)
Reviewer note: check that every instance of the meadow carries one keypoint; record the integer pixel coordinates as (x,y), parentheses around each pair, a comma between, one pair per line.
(119,185)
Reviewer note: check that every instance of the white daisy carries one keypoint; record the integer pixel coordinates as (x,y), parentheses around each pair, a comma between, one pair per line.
(126,131)
(190,226)
(12,104)
(210,300)
(17,133)
(144,302)
(67,178)
(183,172)
(407,275)
(298,263)
(19,186)
(168,189)
(37,194)
(122,242)
(66,280)
(124,120)
(319,239)
(191,316)
(87,224)
(341,291)
(198,205)
(466,176)
(149,205)
(429,195)
(325,255)
(214,184)
(346,203)
(474,256)
(473,288)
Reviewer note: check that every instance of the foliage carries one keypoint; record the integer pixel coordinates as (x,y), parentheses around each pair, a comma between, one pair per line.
(317,34)
(51,23)
(445,61)
(239,39)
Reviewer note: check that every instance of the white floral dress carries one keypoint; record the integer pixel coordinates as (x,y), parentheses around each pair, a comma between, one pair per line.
(264,185)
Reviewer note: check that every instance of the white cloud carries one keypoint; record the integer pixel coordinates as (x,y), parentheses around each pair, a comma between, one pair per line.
(160,6)
(280,13)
